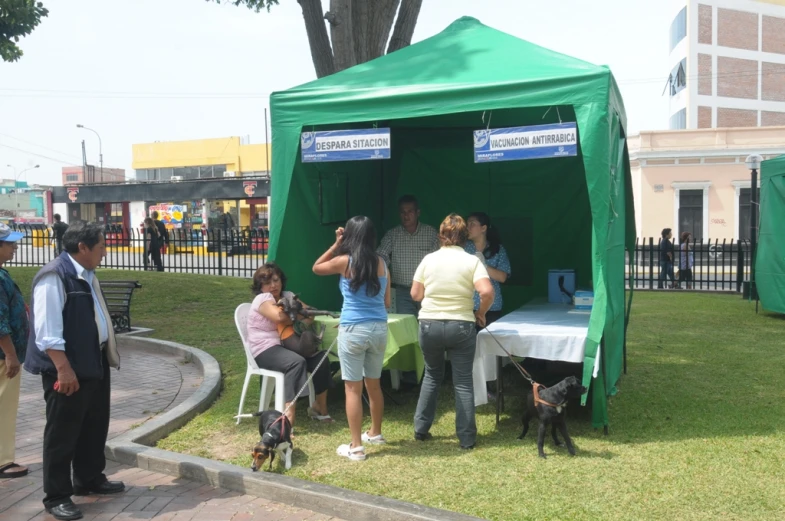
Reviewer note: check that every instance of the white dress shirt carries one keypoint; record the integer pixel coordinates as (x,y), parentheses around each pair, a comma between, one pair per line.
(49,297)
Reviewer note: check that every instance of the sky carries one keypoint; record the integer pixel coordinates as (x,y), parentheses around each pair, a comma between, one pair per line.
(139,71)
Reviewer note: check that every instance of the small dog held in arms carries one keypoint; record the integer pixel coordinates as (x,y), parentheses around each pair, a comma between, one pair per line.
(549,405)
(276,432)
(300,337)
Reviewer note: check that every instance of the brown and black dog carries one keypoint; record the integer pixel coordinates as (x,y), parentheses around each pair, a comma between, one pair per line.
(550,408)
(276,432)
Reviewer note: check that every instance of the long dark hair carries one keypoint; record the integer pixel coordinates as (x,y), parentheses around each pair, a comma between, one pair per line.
(359,243)
(492,239)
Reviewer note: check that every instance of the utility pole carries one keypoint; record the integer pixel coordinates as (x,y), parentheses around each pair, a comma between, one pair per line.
(100,149)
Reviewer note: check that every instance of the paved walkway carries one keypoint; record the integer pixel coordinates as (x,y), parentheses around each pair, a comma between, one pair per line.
(147,384)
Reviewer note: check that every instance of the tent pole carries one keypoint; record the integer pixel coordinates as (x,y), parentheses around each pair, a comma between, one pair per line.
(753,230)
(605,381)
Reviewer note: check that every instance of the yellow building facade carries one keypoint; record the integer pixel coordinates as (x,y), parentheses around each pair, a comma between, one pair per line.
(229,153)
(208,159)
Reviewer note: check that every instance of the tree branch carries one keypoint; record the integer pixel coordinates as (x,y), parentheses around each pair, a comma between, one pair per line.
(340,19)
(321,51)
(404,25)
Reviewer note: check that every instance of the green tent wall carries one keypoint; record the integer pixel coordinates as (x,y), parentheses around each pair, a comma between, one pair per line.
(770,254)
(574,212)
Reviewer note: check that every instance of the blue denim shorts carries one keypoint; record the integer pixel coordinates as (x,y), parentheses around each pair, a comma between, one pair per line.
(361,350)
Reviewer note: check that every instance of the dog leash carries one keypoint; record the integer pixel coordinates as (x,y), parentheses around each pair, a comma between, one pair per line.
(535,386)
(304,387)
(518,366)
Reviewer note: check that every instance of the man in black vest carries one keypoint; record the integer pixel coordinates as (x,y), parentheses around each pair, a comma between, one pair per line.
(72,346)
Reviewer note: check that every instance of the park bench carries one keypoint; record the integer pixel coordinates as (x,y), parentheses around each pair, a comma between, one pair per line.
(117,294)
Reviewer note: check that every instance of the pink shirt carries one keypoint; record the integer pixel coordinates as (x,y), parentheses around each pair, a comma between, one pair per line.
(262,332)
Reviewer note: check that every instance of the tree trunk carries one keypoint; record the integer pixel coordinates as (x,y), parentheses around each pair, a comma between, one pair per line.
(360,14)
(340,19)
(404,25)
(321,51)
(379,26)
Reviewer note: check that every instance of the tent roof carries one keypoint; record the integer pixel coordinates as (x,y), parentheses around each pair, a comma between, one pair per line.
(771,167)
(470,65)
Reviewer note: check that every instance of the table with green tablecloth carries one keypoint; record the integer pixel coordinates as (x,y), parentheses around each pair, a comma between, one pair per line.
(403,347)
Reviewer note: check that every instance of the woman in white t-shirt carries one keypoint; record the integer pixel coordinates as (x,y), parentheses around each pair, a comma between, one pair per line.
(445,282)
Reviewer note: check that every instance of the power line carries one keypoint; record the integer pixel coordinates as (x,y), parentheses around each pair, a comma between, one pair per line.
(65,154)
(69,163)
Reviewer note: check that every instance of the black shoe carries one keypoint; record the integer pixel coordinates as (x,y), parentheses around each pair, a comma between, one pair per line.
(65,512)
(467,447)
(107,487)
(419,436)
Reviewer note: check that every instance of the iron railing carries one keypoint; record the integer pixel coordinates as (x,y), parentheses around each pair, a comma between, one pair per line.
(719,265)
(234,252)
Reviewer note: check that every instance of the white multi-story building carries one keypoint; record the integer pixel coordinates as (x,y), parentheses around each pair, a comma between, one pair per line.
(727,62)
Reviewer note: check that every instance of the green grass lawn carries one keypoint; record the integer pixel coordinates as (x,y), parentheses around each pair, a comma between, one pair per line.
(697,430)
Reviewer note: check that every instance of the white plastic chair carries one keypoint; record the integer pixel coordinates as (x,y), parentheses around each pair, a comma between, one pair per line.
(241,321)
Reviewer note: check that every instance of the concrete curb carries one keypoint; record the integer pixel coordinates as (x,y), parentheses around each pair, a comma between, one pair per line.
(135,448)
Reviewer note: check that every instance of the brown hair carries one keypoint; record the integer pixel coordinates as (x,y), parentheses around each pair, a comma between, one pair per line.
(453,231)
(685,237)
(264,275)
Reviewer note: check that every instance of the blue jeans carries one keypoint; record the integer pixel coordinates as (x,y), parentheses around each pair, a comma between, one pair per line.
(404,305)
(666,270)
(459,338)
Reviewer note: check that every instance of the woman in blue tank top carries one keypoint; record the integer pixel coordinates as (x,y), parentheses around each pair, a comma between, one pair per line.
(362,337)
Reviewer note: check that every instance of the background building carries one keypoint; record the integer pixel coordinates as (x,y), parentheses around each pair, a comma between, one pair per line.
(73,175)
(193,185)
(203,159)
(727,61)
(696,180)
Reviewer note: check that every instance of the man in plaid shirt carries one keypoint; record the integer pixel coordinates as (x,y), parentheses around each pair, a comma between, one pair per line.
(403,248)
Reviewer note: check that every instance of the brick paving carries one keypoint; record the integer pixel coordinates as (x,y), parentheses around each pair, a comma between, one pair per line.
(147,384)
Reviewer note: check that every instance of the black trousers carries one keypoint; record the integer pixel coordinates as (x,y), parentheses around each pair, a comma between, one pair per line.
(296,368)
(155,253)
(75,434)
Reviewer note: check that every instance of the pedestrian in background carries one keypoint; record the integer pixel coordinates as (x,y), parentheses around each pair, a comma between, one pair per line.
(14,329)
(666,259)
(59,228)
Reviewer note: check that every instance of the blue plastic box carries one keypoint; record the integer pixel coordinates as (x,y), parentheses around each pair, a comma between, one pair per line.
(555,296)
(584,300)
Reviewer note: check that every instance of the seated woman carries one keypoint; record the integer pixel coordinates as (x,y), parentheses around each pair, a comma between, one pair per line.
(269,283)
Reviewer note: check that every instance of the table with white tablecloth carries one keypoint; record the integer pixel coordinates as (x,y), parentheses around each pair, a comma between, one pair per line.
(554,332)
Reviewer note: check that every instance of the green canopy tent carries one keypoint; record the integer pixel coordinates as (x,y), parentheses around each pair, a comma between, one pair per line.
(569,212)
(770,254)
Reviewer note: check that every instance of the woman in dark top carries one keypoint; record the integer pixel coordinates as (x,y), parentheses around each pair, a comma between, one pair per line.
(666,258)
(152,245)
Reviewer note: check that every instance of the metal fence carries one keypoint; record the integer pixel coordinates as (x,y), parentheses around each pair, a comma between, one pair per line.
(719,265)
(236,252)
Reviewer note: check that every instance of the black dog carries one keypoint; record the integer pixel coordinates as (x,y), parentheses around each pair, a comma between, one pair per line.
(549,405)
(292,306)
(276,432)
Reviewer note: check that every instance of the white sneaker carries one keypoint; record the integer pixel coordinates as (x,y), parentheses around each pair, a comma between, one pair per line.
(354,454)
(373,440)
